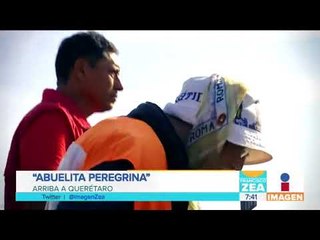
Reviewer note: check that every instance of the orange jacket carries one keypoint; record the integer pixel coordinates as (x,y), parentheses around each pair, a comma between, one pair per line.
(121,138)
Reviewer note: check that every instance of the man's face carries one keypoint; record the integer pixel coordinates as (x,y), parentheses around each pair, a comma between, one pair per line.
(232,156)
(227,156)
(102,83)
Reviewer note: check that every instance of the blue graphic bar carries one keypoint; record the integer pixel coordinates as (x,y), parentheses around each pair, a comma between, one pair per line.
(128,196)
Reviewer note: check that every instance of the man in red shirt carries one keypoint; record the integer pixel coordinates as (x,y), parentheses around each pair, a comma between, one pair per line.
(87,82)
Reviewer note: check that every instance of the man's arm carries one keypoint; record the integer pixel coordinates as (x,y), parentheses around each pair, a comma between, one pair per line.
(44,144)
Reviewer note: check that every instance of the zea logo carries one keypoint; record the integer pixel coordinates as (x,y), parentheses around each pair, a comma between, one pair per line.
(253,181)
(285,194)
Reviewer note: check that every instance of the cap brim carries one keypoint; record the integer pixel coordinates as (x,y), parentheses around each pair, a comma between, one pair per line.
(252,140)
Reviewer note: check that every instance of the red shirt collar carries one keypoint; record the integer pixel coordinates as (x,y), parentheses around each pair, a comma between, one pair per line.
(51,95)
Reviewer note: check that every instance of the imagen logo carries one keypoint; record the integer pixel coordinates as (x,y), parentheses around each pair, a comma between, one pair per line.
(285,182)
(285,194)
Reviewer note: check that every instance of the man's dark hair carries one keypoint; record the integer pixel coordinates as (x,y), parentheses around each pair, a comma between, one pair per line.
(89,45)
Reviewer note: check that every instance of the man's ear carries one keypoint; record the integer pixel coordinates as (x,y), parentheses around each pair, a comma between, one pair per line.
(81,68)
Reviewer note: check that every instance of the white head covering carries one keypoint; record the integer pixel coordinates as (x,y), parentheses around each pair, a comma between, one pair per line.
(219,109)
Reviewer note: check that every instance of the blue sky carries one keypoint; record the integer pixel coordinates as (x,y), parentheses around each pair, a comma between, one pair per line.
(282,67)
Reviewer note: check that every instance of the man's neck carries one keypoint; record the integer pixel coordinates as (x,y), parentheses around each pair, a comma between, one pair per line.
(182,128)
(78,100)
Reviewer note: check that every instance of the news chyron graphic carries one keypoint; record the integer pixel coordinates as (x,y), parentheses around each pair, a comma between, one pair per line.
(158,186)
(258,186)
(285,187)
